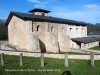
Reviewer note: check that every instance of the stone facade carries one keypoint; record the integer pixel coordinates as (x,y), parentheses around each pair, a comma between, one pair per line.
(42,35)
(89,45)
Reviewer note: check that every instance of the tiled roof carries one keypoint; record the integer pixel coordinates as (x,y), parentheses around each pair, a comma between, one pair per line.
(39,10)
(26,16)
(85,39)
(97,38)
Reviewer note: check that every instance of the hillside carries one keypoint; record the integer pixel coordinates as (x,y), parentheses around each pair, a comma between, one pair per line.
(3,30)
(92,27)
(2,22)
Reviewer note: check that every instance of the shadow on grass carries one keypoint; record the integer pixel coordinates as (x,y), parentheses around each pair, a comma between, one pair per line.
(66,73)
(45,64)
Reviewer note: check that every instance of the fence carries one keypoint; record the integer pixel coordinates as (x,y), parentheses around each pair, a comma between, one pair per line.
(42,59)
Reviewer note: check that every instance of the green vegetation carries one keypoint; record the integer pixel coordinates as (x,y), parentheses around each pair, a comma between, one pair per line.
(91,27)
(72,53)
(3,35)
(52,67)
(3,32)
(95,48)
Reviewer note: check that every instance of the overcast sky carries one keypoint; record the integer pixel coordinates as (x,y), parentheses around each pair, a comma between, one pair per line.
(79,10)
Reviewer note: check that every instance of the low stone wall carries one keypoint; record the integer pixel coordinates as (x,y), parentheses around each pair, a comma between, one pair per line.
(50,55)
(87,51)
(3,42)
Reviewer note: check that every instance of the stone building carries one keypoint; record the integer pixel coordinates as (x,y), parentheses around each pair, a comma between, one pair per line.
(85,42)
(39,32)
(93,39)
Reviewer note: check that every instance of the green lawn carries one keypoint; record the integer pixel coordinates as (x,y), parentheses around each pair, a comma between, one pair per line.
(95,48)
(72,53)
(52,67)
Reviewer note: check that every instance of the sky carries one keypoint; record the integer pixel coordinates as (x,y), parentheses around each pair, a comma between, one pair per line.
(79,10)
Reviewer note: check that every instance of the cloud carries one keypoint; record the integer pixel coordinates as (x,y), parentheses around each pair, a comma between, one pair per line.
(42,3)
(79,15)
(37,3)
(90,13)
(34,1)
(91,7)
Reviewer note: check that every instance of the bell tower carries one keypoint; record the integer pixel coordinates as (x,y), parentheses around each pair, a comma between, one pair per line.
(40,12)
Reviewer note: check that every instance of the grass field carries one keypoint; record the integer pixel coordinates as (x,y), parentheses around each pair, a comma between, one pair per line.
(72,53)
(95,48)
(52,67)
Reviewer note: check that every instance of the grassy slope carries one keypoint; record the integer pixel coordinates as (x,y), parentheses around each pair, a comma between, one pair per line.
(72,53)
(95,48)
(76,67)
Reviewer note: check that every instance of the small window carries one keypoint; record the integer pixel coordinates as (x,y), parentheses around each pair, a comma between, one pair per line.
(70,29)
(38,28)
(62,29)
(77,29)
(52,29)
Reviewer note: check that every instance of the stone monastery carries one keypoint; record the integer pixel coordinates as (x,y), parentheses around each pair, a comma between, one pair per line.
(39,32)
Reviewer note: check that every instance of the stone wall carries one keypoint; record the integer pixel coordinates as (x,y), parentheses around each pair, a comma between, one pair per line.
(17,32)
(3,42)
(74,31)
(85,51)
(33,43)
(51,42)
(48,41)
(49,55)
(89,45)
(64,42)
(53,27)
(62,28)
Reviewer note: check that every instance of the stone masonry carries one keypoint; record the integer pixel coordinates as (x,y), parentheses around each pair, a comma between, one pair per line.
(42,35)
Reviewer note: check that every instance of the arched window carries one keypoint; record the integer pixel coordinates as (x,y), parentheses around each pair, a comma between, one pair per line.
(52,29)
(38,28)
